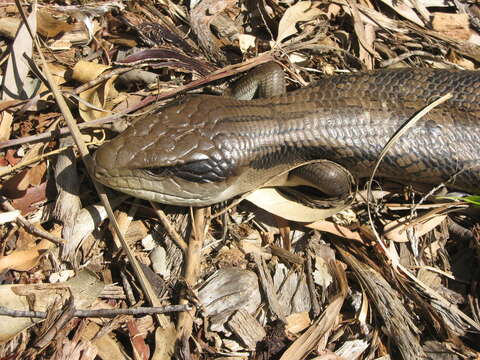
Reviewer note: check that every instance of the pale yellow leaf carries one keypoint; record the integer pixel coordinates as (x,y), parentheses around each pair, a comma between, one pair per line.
(273,201)
(9,216)
(398,230)
(6,120)
(16,84)
(246,42)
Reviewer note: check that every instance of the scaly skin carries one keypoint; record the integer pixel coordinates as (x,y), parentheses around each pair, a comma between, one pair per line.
(206,149)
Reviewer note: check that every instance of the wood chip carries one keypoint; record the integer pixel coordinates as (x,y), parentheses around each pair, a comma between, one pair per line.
(247,328)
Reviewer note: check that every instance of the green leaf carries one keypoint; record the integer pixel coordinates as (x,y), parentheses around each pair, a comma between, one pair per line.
(472,199)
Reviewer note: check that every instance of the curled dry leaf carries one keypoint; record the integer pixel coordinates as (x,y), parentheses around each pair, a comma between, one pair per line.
(335,229)
(300,12)
(96,97)
(51,22)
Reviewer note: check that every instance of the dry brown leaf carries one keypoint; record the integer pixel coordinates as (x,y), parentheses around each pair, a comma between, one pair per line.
(297,322)
(335,229)
(8,104)
(300,12)
(36,174)
(164,343)
(24,260)
(11,157)
(398,230)
(140,349)
(58,75)
(406,10)
(50,24)
(33,195)
(85,71)
(107,346)
(15,186)
(16,297)
(97,95)
(360,31)
(85,288)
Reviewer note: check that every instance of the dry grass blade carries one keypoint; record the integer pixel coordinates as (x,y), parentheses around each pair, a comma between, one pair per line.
(384,151)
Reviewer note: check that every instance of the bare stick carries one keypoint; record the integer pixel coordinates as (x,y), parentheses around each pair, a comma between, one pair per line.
(101,313)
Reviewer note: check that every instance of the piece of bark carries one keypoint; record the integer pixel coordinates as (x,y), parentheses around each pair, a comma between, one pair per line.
(68,202)
(455,26)
(228,290)
(246,328)
(269,289)
(292,290)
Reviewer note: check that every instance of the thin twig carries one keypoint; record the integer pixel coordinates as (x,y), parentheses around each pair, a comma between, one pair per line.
(103,77)
(406,55)
(101,313)
(172,233)
(27,225)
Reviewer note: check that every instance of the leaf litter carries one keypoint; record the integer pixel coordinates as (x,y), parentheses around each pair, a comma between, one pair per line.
(278,281)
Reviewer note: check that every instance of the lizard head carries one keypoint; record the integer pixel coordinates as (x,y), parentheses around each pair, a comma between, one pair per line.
(175,157)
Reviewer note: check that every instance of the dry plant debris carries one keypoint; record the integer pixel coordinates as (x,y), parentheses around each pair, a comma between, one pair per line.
(227,282)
